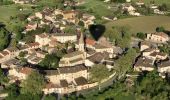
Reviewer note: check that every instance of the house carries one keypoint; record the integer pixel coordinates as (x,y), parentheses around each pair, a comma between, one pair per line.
(69,14)
(87,20)
(64,37)
(23,1)
(72,59)
(101,48)
(31,26)
(149,51)
(12,63)
(158,56)
(42,39)
(21,73)
(65,88)
(128,7)
(144,64)
(158,37)
(110,18)
(66,73)
(144,45)
(164,67)
(34,45)
(94,59)
(12,51)
(31,18)
(8,53)
(33,59)
(90,42)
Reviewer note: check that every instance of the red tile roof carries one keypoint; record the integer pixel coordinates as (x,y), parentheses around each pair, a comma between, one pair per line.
(26,70)
(90,41)
(4,53)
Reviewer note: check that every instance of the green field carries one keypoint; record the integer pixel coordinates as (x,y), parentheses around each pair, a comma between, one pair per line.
(98,6)
(156,1)
(142,24)
(12,10)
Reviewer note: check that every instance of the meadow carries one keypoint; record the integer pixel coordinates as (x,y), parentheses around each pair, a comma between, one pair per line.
(145,24)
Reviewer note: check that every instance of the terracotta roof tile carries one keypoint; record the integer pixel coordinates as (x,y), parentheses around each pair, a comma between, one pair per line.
(90,41)
(26,70)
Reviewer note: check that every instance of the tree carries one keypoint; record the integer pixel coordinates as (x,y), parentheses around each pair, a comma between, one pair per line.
(3,77)
(50,97)
(22,16)
(13,92)
(28,97)
(160,29)
(81,23)
(124,63)
(70,29)
(33,84)
(22,53)
(163,7)
(4,38)
(50,61)
(141,35)
(98,73)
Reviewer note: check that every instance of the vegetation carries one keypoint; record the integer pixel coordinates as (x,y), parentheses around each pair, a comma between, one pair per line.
(4,38)
(138,24)
(160,29)
(33,84)
(13,92)
(124,63)
(50,61)
(120,36)
(98,73)
(165,48)
(141,35)
(3,77)
(50,97)
(148,87)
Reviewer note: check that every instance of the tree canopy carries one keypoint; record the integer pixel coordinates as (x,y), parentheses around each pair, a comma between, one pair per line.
(4,38)
(33,84)
(50,61)
(98,72)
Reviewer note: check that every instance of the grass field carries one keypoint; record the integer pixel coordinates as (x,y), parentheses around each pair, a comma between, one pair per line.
(99,8)
(6,11)
(156,1)
(142,24)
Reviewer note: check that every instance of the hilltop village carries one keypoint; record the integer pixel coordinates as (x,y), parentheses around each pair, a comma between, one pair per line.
(82,53)
(84,49)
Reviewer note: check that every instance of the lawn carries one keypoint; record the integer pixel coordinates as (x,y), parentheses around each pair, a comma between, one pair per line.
(156,1)
(12,10)
(98,7)
(142,24)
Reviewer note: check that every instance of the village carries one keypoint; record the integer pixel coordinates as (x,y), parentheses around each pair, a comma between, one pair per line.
(64,51)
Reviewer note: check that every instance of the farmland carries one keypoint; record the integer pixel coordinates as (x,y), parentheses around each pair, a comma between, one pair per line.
(142,24)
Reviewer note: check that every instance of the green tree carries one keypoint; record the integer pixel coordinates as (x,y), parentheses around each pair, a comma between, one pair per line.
(98,72)
(4,38)
(81,23)
(163,7)
(160,29)
(3,77)
(33,84)
(124,63)
(50,97)
(141,35)
(50,61)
